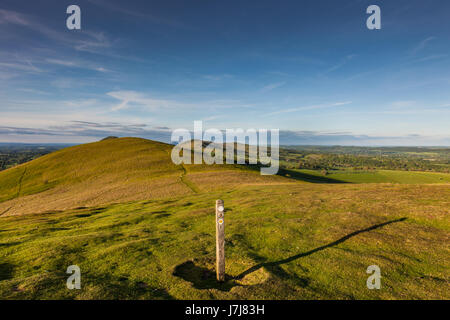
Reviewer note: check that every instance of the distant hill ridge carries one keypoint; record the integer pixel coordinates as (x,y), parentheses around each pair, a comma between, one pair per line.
(109,171)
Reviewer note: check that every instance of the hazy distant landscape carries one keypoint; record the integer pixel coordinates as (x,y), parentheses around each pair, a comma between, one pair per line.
(323,158)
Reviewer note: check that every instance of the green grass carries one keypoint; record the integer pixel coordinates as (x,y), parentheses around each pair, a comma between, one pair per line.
(315,243)
(286,238)
(381,176)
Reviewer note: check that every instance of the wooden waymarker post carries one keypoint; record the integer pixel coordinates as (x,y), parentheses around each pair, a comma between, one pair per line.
(220,241)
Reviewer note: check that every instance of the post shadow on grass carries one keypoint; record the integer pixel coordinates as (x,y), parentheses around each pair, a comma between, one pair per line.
(202,278)
(275,264)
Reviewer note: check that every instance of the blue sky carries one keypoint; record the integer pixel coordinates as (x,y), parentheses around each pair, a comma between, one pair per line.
(309,68)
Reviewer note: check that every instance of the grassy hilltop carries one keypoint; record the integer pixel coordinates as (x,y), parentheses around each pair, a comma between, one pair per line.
(141,227)
(113,170)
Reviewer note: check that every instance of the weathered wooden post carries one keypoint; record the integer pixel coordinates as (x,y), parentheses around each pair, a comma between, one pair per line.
(220,241)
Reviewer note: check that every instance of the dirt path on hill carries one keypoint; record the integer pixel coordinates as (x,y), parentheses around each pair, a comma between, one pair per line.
(20,182)
(187,182)
(184,179)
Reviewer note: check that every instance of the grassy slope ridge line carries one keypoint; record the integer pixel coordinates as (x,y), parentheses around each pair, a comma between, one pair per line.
(109,171)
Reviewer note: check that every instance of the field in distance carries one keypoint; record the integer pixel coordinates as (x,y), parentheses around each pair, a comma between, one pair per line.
(140,227)
(378,176)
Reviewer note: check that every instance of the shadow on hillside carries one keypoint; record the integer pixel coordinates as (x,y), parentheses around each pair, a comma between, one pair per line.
(274,266)
(298,175)
(6,270)
(307,177)
(202,278)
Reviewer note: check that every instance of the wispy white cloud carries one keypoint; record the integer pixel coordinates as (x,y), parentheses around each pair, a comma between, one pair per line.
(12,17)
(101,69)
(86,40)
(272,86)
(311,107)
(95,42)
(430,57)
(422,45)
(132,98)
(33,91)
(62,62)
(26,66)
(76,64)
(344,61)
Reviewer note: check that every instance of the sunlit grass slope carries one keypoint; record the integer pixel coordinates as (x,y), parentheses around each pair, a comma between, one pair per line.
(302,241)
(109,171)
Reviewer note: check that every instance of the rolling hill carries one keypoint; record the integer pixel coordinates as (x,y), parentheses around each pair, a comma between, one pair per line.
(111,171)
(140,227)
